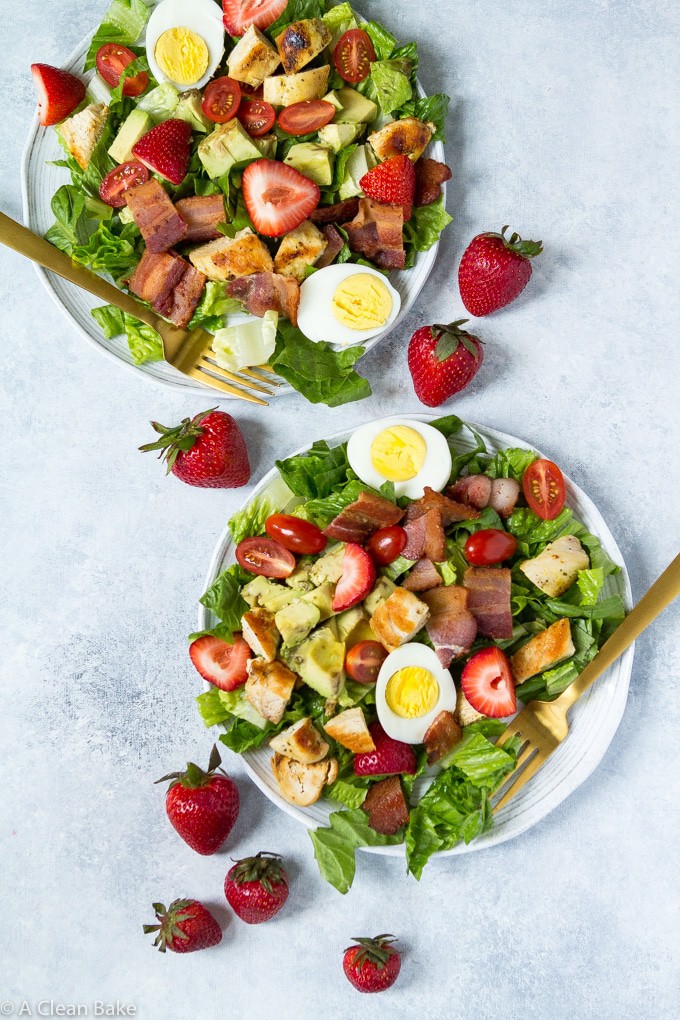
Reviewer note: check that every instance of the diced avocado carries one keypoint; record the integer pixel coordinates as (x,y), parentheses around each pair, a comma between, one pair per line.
(160,103)
(320,662)
(136,124)
(382,590)
(267,146)
(229,144)
(242,147)
(332,98)
(296,620)
(300,578)
(125,215)
(313,160)
(332,626)
(339,135)
(262,593)
(356,109)
(189,109)
(348,623)
(358,164)
(215,156)
(322,598)
(328,567)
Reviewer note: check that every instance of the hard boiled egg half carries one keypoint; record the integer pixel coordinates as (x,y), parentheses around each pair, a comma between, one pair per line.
(409,453)
(412,689)
(346,304)
(185,42)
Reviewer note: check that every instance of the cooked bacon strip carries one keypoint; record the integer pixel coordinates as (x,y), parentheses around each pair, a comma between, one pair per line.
(386,806)
(376,233)
(186,296)
(160,224)
(341,212)
(489,601)
(426,537)
(430,175)
(358,521)
(202,213)
(504,494)
(451,511)
(451,626)
(441,735)
(267,292)
(334,243)
(473,490)
(172,286)
(423,577)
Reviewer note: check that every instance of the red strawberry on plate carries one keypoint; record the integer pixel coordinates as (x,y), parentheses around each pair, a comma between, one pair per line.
(184,927)
(59,93)
(278,197)
(488,685)
(257,887)
(391,757)
(494,270)
(208,451)
(443,360)
(372,965)
(241,14)
(222,664)
(392,182)
(202,806)
(356,580)
(165,149)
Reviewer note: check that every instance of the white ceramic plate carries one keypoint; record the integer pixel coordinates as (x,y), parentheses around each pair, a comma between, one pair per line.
(593,720)
(39,183)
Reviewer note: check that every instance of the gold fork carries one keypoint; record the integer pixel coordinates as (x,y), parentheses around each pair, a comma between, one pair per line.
(189,351)
(543,725)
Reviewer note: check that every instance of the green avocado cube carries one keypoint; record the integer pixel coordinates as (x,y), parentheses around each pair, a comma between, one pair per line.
(339,136)
(313,160)
(320,661)
(262,593)
(228,145)
(328,567)
(189,109)
(358,164)
(296,620)
(356,109)
(136,124)
(322,598)
(349,621)
(382,590)
(267,146)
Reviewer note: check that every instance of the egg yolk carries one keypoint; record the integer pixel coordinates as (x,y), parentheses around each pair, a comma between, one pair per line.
(362,301)
(182,55)
(412,692)
(398,453)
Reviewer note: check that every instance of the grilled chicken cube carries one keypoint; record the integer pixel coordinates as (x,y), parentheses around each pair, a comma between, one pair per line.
(349,729)
(399,618)
(544,650)
(407,137)
(299,249)
(302,784)
(269,687)
(302,742)
(230,257)
(465,714)
(300,42)
(261,633)
(286,89)
(82,131)
(253,58)
(556,568)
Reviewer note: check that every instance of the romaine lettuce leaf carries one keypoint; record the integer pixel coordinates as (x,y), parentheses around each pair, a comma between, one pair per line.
(214,307)
(335,846)
(511,463)
(107,252)
(383,41)
(315,370)
(322,511)
(425,226)
(339,19)
(317,473)
(392,86)
(123,23)
(251,519)
(223,598)
(144,342)
(295,10)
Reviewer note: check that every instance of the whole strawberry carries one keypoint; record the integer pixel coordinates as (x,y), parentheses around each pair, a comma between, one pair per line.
(202,806)
(208,450)
(257,887)
(391,757)
(443,360)
(494,270)
(373,964)
(184,927)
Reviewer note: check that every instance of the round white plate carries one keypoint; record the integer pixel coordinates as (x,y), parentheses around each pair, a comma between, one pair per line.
(593,720)
(39,182)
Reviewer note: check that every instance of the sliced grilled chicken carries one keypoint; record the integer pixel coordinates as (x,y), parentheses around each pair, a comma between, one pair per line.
(301,741)
(349,729)
(303,784)
(556,568)
(269,687)
(261,633)
(399,618)
(544,650)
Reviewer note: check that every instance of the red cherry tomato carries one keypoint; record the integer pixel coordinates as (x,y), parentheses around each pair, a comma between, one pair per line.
(112,60)
(353,55)
(491,545)
(544,489)
(256,116)
(221,100)
(119,180)
(386,544)
(306,117)
(265,556)
(363,661)
(295,534)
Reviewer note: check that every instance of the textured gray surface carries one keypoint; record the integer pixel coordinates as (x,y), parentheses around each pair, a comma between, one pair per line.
(565,123)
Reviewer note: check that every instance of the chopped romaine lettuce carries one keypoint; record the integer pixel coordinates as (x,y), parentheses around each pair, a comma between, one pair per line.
(392,85)
(251,519)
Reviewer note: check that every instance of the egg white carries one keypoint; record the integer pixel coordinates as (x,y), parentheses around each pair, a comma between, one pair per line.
(315,316)
(412,731)
(436,469)
(203,17)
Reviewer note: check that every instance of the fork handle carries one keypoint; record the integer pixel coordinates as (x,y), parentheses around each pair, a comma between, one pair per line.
(661,594)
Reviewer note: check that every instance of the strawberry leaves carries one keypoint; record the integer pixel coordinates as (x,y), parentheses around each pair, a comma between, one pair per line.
(449,338)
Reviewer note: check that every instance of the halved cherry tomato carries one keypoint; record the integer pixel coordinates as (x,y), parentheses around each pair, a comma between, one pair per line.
(354,55)
(544,489)
(112,60)
(491,545)
(386,544)
(265,556)
(296,534)
(221,99)
(256,116)
(306,117)
(363,661)
(119,180)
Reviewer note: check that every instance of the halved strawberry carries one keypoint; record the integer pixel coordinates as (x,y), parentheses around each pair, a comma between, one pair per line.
(488,684)
(278,197)
(357,579)
(392,182)
(165,149)
(241,14)
(220,663)
(59,93)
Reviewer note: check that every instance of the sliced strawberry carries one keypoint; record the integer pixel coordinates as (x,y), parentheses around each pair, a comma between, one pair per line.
(241,14)
(358,577)
(391,757)
(392,182)
(488,684)
(220,663)
(165,149)
(278,197)
(59,93)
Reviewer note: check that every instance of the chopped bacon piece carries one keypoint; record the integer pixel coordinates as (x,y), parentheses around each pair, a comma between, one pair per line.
(376,233)
(423,577)
(489,601)
(426,537)
(473,490)
(451,511)
(442,734)
(160,224)
(334,243)
(386,806)
(267,292)
(430,175)
(186,297)
(358,521)
(341,212)
(504,493)
(451,626)
(202,214)
(172,287)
